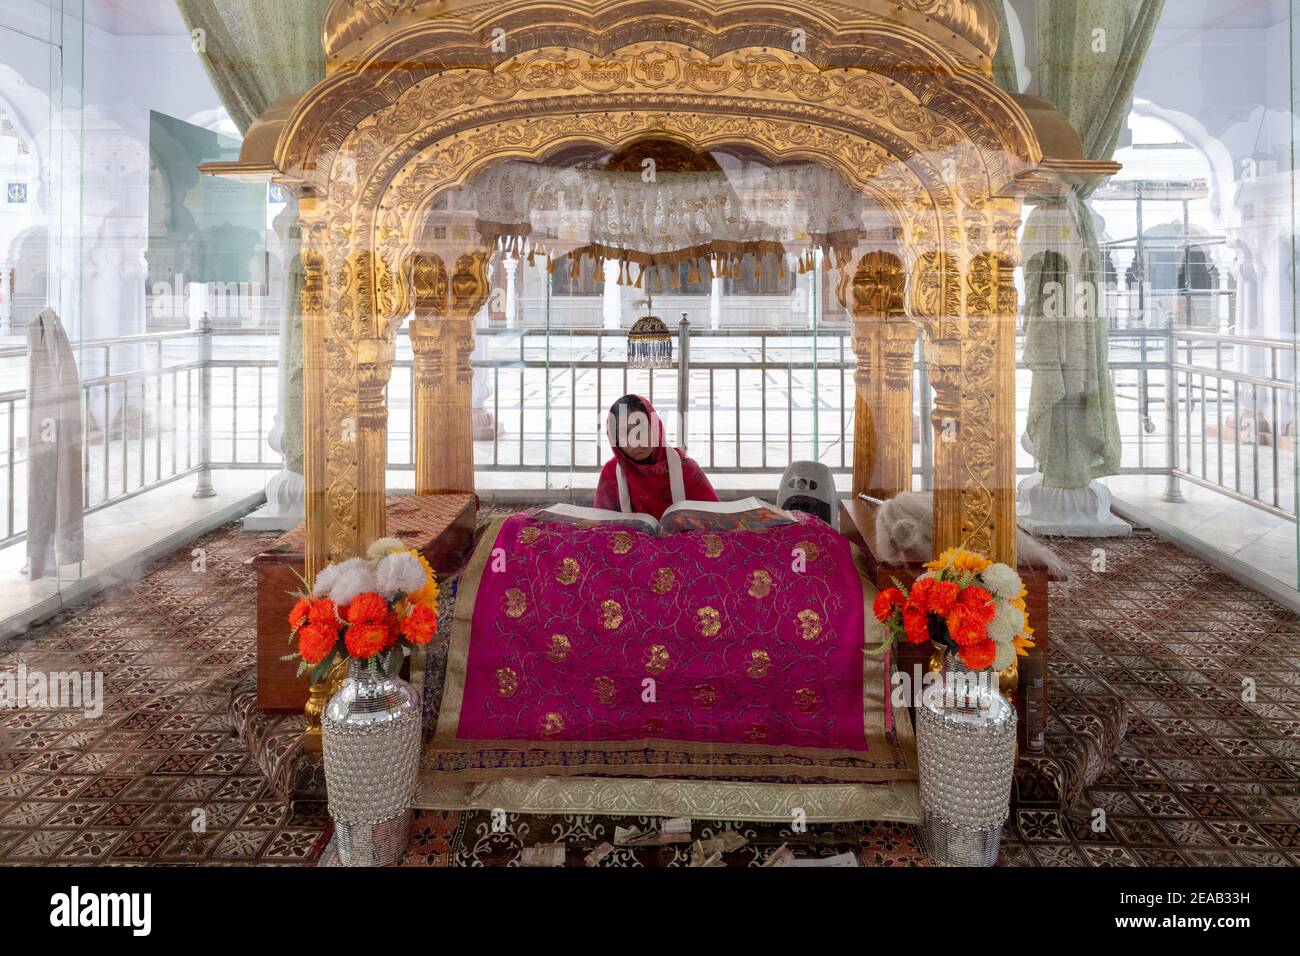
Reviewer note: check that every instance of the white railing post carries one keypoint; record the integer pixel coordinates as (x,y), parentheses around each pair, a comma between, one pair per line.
(204,488)
(1173,489)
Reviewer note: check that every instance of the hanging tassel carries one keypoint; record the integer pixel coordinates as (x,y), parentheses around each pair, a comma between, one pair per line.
(640,273)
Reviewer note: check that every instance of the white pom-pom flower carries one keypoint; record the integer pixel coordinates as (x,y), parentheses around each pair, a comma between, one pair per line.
(350,578)
(399,573)
(1002,581)
(1008,622)
(1006,655)
(384,546)
(325,579)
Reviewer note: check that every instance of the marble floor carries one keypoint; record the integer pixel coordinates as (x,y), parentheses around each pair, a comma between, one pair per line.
(1255,538)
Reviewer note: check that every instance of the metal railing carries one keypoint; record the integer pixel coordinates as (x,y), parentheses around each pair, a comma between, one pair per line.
(1195,406)
(155,409)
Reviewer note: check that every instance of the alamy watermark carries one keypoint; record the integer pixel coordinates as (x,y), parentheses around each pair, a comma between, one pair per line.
(23,689)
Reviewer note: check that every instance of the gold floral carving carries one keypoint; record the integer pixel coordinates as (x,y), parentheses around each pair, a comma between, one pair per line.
(889,101)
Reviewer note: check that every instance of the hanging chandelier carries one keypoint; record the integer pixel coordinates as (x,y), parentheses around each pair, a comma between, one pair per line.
(649,342)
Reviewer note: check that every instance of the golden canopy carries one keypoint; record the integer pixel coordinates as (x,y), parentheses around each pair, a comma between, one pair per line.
(967,27)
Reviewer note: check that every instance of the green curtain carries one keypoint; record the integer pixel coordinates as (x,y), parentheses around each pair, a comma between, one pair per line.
(1090,53)
(257,51)
(1004,58)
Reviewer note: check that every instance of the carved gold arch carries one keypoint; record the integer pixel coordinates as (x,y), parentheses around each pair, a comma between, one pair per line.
(417,103)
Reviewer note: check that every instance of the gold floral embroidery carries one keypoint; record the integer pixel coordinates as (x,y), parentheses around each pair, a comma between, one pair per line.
(664,581)
(507,682)
(712,545)
(551,724)
(805,698)
(756,733)
(705,695)
(656,659)
(710,621)
(606,691)
(516,603)
(613,615)
(652,726)
(559,649)
(810,550)
(810,625)
(760,584)
(568,573)
(529,535)
(760,662)
(621,542)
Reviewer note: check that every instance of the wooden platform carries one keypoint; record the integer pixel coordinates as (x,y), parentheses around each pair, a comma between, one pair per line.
(858,524)
(441,526)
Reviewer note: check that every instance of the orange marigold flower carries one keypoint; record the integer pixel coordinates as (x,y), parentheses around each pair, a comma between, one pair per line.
(420,625)
(979,655)
(916,624)
(324,614)
(366,640)
(961,560)
(978,603)
(886,601)
(920,594)
(315,643)
(368,608)
(965,628)
(298,616)
(943,597)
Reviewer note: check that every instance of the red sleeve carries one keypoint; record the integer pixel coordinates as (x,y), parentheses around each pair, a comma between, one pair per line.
(697,483)
(607,488)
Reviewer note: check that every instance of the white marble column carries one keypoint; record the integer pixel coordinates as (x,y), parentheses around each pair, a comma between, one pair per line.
(511,267)
(613,301)
(715,303)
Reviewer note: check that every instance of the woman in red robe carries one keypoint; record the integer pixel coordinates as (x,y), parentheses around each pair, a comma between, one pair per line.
(646,474)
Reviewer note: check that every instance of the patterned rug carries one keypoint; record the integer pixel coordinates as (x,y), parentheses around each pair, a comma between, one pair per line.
(1206,774)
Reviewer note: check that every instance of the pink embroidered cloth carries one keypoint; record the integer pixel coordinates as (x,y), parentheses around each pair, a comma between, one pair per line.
(573,634)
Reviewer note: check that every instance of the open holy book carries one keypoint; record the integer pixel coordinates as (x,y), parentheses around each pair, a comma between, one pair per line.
(748,514)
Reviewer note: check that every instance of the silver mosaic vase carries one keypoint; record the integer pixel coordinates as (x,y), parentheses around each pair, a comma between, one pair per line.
(370,735)
(966,745)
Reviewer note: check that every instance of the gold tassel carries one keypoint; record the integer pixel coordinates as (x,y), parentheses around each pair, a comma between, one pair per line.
(639,274)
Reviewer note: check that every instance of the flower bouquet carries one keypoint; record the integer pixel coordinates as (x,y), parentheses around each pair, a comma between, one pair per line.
(366,609)
(965,604)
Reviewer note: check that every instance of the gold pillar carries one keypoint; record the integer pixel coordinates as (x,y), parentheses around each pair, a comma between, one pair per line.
(374,368)
(884,340)
(442,338)
(937,303)
(314,377)
(970,355)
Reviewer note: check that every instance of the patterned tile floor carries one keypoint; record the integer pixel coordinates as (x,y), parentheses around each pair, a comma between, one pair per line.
(1209,772)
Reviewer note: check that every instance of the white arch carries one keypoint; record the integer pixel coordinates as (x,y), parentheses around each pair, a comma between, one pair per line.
(1223,172)
(1019,48)
(29,109)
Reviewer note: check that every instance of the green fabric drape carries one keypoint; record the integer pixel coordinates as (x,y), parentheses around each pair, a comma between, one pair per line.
(257,51)
(1090,54)
(1004,58)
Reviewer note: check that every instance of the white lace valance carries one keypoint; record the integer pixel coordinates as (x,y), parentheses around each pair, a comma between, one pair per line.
(669,218)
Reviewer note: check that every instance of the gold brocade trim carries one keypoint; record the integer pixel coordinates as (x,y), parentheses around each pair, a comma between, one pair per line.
(879,745)
(462,620)
(898,801)
(874,685)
